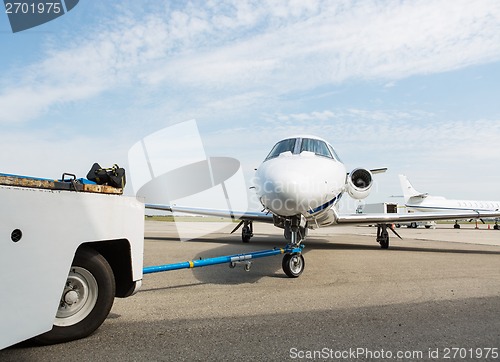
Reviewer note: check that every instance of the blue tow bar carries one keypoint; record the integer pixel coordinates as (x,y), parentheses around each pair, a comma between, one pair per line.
(222,259)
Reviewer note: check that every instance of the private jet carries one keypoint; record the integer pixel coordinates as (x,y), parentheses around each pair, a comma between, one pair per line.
(300,184)
(424,202)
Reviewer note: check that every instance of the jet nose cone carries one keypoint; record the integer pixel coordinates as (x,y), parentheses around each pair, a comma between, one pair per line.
(293,185)
(283,191)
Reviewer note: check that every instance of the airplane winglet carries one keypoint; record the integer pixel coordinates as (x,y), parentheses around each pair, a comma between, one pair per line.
(378,170)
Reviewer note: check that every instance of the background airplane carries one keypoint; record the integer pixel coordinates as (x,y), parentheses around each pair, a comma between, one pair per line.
(427,203)
(299,185)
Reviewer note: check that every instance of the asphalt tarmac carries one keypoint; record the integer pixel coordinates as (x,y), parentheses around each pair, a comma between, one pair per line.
(435,295)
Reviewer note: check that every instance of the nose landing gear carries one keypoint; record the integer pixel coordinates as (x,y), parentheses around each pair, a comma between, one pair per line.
(293,264)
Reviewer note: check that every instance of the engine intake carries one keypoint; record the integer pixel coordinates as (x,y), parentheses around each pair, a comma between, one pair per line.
(359,183)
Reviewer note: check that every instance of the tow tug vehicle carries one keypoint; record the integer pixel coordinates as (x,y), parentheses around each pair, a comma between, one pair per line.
(68,247)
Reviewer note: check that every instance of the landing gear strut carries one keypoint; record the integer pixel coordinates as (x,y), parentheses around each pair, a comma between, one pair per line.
(246,231)
(383,236)
(295,232)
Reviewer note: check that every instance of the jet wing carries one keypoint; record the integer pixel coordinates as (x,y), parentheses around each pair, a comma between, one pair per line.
(247,215)
(414,216)
(339,218)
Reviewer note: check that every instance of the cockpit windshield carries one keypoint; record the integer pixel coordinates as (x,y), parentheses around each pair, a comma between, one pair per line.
(335,155)
(298,145)
(317,146)
(282,146)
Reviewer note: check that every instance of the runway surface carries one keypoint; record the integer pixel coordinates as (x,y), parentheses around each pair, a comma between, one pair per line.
(433,295)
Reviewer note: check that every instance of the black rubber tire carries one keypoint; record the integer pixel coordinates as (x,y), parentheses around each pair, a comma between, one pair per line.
(384,244)
(292,266)
(246,234)
(95,264)
(456,226)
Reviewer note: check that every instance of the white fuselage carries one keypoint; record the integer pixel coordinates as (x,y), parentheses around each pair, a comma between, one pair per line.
(438,204)
(424,202)
(300,184)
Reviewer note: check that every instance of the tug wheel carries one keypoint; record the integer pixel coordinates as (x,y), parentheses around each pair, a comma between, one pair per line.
(293,265)
(86,299)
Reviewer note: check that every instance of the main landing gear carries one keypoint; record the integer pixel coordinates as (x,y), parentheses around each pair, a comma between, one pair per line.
(247,231)
(383,235)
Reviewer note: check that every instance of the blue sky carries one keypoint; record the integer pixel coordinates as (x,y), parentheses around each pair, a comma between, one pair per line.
(411,85)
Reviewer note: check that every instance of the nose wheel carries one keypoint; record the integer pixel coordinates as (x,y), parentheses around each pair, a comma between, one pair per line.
(293,265)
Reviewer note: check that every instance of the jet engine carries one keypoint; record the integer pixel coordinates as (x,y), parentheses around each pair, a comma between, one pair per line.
(359,183)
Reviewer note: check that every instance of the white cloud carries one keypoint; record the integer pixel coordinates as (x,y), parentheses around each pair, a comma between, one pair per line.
(363,136)
(217,50)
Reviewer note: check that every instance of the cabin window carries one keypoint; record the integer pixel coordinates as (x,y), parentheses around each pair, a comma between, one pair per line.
(282,146)
(317,146)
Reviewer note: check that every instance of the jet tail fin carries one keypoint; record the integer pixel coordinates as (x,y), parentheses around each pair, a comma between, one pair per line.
(408,190)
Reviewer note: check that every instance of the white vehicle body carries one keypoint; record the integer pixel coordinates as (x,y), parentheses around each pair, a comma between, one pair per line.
(392,208)
(41,232)
(381,207)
